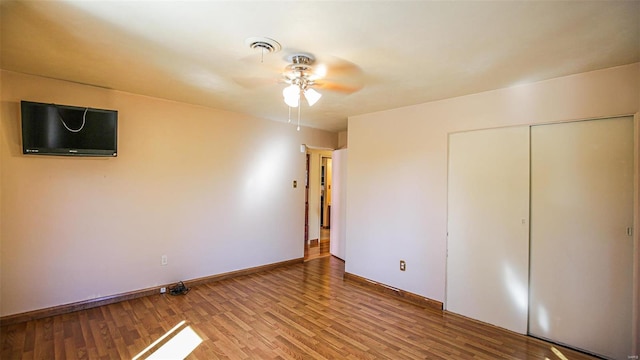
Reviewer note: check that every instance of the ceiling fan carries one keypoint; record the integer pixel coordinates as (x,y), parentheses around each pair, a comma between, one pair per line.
(301,78)
(304,74)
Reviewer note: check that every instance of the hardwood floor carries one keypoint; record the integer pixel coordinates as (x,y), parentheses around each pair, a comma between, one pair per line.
(303,311)
(316,249)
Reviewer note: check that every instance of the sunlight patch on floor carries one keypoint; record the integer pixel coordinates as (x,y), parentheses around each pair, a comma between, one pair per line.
(177,343)
(558,353)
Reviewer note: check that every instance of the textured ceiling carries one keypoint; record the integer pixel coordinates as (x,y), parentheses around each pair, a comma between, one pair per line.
(388,54)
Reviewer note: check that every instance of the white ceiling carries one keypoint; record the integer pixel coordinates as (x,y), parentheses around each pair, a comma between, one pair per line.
(398,53)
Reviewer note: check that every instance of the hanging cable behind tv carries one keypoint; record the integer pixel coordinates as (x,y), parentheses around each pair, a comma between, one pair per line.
(84,120)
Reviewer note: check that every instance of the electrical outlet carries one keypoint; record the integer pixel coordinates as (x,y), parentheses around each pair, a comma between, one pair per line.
(163,260)
(163,290)
(403,265)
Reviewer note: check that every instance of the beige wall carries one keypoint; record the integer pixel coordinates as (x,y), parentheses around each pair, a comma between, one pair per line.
(397,198)
(342,140)
(210,189)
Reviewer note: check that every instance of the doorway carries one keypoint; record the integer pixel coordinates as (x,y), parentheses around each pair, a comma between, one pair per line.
(318,183)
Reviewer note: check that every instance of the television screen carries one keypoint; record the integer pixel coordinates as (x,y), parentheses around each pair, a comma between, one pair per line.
(51,129)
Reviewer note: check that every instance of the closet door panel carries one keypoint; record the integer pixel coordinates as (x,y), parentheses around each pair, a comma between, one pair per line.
(581,255)
(488,211)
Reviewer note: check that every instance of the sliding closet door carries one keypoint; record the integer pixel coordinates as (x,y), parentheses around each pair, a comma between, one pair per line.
(488,212)
(581,254)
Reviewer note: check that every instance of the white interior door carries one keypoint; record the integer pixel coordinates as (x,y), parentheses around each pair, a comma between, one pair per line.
(581,255)
(488,212)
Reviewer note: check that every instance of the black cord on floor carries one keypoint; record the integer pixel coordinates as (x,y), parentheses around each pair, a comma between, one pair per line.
(179,289)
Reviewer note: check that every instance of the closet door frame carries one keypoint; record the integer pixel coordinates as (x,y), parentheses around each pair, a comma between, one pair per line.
(581,209)
(636,226)
(635,330)
(488,242)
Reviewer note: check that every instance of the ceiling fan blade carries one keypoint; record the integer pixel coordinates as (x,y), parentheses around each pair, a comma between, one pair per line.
(257,65)
(336,74)
(336,68)
(327,73)
(334,86)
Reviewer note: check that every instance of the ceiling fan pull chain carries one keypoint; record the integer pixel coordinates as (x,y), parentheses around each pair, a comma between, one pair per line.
(289,114)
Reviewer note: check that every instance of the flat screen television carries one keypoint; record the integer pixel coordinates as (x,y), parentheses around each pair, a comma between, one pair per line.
(51,129)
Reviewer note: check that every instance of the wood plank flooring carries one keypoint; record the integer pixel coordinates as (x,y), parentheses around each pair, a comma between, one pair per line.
(303,311)
(318,248)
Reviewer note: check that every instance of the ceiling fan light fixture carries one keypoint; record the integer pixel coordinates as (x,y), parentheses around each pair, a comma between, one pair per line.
(312,96)
(291,95)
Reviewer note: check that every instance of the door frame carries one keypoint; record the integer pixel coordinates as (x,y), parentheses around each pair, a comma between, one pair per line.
(310,177)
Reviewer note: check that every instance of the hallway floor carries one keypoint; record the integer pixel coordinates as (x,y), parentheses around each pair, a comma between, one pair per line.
(315,250)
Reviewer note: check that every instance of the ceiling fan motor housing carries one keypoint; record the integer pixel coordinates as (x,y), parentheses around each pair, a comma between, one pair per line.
(300,71)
